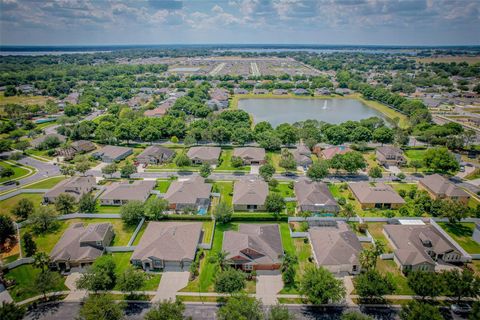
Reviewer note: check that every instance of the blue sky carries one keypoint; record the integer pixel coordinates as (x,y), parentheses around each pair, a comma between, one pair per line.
(396,22)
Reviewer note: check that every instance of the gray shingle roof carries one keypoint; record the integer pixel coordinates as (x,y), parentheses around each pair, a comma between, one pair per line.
(250,192)
(188,191)
(75,186)
(255,154)
(204,153)
(138,190)
(313,193)
(442,187)
(377,193)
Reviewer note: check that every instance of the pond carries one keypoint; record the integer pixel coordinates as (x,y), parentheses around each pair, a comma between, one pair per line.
(290,110)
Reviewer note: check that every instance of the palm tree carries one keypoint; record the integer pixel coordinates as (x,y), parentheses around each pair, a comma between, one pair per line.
(41,260)
(222,259)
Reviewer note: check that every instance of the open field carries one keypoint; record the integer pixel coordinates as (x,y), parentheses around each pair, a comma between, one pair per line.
(24,100)
(162,185)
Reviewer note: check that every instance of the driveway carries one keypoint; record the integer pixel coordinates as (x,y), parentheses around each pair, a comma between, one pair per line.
(268,285)
(71,283)
(254,169)
(170,283)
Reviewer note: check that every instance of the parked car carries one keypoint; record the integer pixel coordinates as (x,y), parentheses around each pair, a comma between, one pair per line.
(461,308)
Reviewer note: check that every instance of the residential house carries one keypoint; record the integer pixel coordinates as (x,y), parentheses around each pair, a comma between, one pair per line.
(301,92)
(302,156)
(439,187)
(80,245)
(250,155)
(200,155)
(250,195)
(168,246)
(240,91)
(76,147)
(190,194)
(314,197)
(279,92)
(119,193)
(336,248)
(160,110)
(419,247)
(112,153)
(379,195)
(260,91)
(254,247)
(330,152)
(390,156)
(38,141)
(74,186)
(155,155)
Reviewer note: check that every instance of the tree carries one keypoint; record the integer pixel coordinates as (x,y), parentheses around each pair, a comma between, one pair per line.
(321,287)
(87,203)
(461,284)
(155,208)
(236,162)
(372,284)
(65,203)
(416,164)
(266,171)
(127,170)
(383,135)
(11,311)
(23,208)
(375,173)
(348,211)
(22,145)
(43,219)
(223,212)
(241,136)
(352,162)
(46,281)
(110,169)
(181,160)
(440,159)
(82,166)
(131,280)
(454,210)
(279,312)
(287,133)
(241,307)
(166,310)
(318,170)
(474,314)
(132,212)
(6,172)
(205,170)
(41,260)
(101,307)
(67,170)
(287,161)
(426,284)
(7,228)
(368,257)
(29,245)
(274,203)
(416,310)
(100,276)
(353,315)
(229,281)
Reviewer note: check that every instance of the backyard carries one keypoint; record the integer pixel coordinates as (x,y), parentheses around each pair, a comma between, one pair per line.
(7,205)
(462,234)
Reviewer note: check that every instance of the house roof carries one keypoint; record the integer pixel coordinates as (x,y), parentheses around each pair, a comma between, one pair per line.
(390,150)
(74,186)
(376,193)
(408,239)
(335,245)
(170,241)
(441,186)
(256,154)
(247,192)
(204,153)
(313,193)
(69,246)
(83,145)
(257,243)
(188,191)
(157,152)
(329,153)
(138,190)
(303,149)
(113,151)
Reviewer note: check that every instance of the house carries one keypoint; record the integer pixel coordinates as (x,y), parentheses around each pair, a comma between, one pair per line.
(302,156)
(190,194)
(250,155)
(76,147)
(240,91)
(112,153)
(155,155)
(200,155)
(168,246)
(336,248)
(80,245)
(314,197)
(419,247)
(220,95)
(439,187)
(300,92)
(390,156)
(119,193)
(330,152)
(75,186)
(254,247)
(250,195)
(160,110)
(38,141)
(279,92)
(260,91)
(379,195)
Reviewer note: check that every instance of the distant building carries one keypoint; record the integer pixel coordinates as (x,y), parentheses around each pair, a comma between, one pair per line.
(301,92)
(250,195)
(76,147)
(379,195)
(390,156)
(330,152)
(155,155)
(75,186)
(439,187)
(302,156)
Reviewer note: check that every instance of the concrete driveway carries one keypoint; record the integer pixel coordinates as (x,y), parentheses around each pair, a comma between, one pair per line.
(254,169)
(71,283)
(170,283)
(268,285)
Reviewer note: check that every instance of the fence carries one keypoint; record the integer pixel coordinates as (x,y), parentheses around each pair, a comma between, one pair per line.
(208,246)
(120,249)
(465,256)
(18,263)
(386,256)
(137,230)
(20,191)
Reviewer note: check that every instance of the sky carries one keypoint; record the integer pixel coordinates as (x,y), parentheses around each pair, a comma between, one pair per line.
(350,22)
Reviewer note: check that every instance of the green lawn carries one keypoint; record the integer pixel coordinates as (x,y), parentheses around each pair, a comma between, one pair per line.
(462,234)
(108,209)
(403,186)
(389,266)
(47,183)
(225,188)
(414,154)
(19,171)
(7,204)
(376,230)
(274,159)
(207,231)
(284,190)
(162,185)
(122,262)
(39,153)
(226,162)
(140,233)
(25,277)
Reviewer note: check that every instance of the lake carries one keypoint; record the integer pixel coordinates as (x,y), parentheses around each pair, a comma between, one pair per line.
(277,111)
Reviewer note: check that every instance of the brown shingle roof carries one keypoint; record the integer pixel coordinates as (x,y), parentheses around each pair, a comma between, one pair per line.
(188,191)
(313,193)
(138,190)
(255,154)
(378,193)
(250,192)
(204,153)
(442,187)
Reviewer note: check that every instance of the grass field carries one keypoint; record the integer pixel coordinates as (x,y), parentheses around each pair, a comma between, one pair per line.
(462,234)
(376,230)
(24,277)
(162,185)
(24,100)
(225,188)
(47,183)
(108,209)
(19,171)
(283,189)
(39,153)
(7,204)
